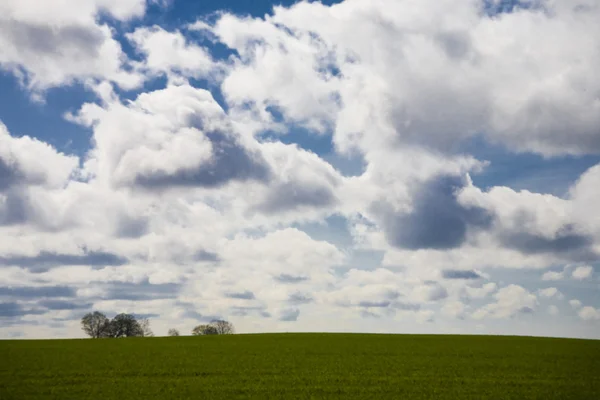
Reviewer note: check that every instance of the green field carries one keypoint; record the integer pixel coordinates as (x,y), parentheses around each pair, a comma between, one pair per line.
(302,366)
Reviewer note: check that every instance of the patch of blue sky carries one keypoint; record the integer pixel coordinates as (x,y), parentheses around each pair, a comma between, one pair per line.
(44,120)
(586,290)
(497,7)
(334,229)
(527,171)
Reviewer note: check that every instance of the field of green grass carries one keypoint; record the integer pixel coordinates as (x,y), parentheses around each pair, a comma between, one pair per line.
(301,366)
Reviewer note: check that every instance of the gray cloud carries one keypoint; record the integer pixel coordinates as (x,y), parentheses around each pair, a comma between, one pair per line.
(38,292)
(293,195)
(567,242)
(437,221)
(16,208)
(459,274)
(374,304)
(437,293)
(246,295)
(63,305)
(8,175)
(285,278)
(132,227)
(300,298)
(209,256)
(406,306)
(12,309)
(369,314)
(191,311)
(289,315)
(141,291)
(457,45)
(45,40)
(231,162)
(245,311)
(46,260)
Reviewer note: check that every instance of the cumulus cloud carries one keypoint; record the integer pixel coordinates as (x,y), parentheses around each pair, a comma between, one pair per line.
(187,141)
(582,272)
(535,223)
(304,181)
(49,45)
(550,292)
(376,82)
(437,220)
(26,161)
(588,313)
(510,301)
(193,203)
(454,309)
(553,276)
(171,54)
(575,303)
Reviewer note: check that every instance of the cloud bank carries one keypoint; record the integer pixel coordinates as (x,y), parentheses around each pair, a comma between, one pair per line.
(199,195)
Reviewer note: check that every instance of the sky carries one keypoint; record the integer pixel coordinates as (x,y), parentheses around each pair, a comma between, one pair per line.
(385,166)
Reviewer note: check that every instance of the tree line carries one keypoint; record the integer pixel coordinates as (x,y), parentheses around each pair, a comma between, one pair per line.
(96,325)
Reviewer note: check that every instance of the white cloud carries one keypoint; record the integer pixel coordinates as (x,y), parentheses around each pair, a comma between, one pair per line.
(383,70)
(510,301)
(585,193)
(575,303)
(588,313)
(549,292)
(170,53)
(48,44)
(582,272)
(553,276)
(25,160)
(185,209)
(454,309)
(480,292)
(177,136)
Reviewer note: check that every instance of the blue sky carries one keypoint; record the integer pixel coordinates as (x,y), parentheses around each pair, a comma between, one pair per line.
(348,163)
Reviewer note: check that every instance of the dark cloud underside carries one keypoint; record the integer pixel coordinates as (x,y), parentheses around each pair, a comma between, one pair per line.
(437,221)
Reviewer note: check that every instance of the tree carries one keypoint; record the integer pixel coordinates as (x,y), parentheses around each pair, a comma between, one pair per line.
(204,330)
(173,332)
(222,327)
(125,325)
(216,327)
(145,325)
(95,325)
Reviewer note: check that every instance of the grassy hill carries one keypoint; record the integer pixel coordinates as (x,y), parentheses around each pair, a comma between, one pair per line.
(302,366)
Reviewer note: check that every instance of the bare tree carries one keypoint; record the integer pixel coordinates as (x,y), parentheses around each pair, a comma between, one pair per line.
(222,327)
(95,325)
(173,332)
(216,327)
(145,325)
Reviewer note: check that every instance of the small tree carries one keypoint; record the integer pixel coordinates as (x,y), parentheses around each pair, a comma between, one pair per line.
(173,332)
(222,327)
(95,325)
(145,325)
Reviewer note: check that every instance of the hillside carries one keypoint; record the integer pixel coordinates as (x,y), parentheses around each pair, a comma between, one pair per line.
(302,366)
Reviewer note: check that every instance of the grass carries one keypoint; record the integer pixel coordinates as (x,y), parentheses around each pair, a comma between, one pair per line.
(302,366)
